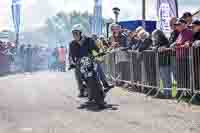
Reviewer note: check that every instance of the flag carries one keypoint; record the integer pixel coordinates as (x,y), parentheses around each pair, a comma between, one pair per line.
(166,9)
(16,7)
(98,20)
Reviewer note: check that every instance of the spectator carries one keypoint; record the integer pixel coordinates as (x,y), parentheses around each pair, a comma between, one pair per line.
(104,41)
(99,43)
(183,42)
(174,34)
(28,58)
(35,58)
(99,60)
(162,44)
(52,61)
(132,40)
(3,59)
(61,58)
(185,37)
(144,41)
(138,29)
(118,41)
(196,30)
(187,16)
(22,56)
(172,42)
(196,52)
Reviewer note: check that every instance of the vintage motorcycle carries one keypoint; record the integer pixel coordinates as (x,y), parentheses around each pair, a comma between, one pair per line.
(89,75)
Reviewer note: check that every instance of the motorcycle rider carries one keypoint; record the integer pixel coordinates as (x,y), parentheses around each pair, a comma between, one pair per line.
(79,47)
(82,44)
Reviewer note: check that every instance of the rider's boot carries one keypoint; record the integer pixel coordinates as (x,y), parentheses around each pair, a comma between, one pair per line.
(82,93)
(107,87)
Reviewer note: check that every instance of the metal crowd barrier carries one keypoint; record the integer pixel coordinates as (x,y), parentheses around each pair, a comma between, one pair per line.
(156,69)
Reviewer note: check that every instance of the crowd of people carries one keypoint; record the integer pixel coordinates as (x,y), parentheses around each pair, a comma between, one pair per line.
(6,56)
(57,60)
(41,58)
(29,58)
(185,33)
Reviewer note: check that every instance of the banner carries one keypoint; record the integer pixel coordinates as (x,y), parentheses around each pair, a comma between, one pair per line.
(16,7)
(166,9)
(98,20)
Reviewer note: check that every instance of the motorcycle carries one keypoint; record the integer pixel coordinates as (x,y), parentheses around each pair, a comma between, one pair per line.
(88,70)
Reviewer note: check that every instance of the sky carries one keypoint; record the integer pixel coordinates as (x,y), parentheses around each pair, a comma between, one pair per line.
(35,12)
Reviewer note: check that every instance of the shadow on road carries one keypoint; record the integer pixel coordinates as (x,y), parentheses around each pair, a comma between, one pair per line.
(94,108)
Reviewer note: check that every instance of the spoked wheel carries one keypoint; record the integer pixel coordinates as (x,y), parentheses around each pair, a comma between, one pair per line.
(95,91)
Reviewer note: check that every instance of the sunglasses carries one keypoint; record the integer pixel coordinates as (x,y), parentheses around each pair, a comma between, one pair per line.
(75,32)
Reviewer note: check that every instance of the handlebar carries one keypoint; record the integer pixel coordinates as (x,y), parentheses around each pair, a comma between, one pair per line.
(73,66)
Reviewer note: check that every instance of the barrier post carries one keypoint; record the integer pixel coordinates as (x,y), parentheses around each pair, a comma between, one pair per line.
(131,67)
(114,66)
(142,72)
(157,70)
(157,76)
(191,61)
(192,74)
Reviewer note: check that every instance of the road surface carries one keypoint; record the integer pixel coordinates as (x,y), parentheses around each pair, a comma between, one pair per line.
(46,102)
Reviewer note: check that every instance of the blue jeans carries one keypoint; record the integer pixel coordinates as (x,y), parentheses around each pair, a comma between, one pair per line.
(100,74)
(165,75)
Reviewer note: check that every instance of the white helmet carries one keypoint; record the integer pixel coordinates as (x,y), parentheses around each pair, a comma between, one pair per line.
(101,36)
(77,27)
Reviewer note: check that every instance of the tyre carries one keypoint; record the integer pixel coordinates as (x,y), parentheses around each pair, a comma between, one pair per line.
(95,90)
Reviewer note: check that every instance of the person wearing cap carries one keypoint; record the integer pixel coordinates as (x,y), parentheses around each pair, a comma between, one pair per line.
(120,41)
(117,39)
(183,42)
(185,35)
(174,32)
(187,16)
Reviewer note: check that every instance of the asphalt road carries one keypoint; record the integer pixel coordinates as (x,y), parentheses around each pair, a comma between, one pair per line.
(46,102)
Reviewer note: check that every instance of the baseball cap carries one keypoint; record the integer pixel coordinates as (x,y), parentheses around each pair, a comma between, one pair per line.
(186,14)
(180,21)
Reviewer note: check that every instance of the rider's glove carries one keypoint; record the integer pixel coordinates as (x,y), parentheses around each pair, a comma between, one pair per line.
(71,67)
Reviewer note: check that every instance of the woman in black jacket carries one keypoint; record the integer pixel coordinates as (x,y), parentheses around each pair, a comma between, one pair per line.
(161,44)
